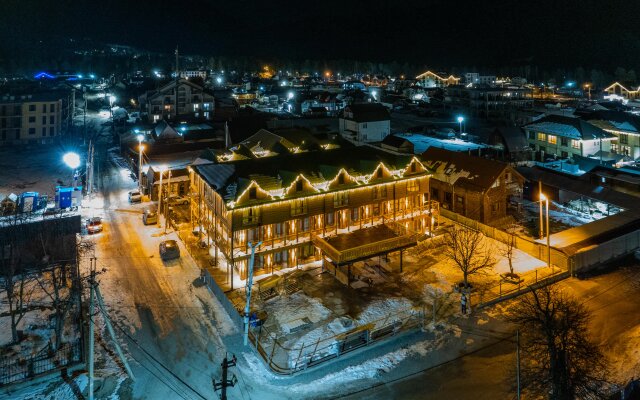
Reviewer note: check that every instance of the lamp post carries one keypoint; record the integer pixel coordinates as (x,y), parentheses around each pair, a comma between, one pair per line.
(73,161)
(166,214)
(460,120)
(546,200)
(162,168)
(588,86)
(140,150)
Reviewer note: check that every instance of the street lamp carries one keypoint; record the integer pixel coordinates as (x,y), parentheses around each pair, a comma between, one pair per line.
(162,168)
(546,200)
(140,150)
(588,86)
(460,120)
(73,161)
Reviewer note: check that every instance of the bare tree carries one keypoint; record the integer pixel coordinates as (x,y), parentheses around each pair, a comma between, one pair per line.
(467,249)
(560,361)
(508,252)
(15,275)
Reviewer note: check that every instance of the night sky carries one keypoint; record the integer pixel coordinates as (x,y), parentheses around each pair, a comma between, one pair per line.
(563,33)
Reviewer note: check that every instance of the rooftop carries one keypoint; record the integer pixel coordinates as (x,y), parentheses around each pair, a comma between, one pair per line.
(570,127)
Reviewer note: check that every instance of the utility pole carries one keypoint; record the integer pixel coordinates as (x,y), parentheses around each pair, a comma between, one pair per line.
(248,290)
(518,362)
(540,198)
(92,279)
(225,382)
(94,290)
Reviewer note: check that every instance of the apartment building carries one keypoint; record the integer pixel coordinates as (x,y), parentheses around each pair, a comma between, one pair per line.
(35,118)
(624,126)
(177,98)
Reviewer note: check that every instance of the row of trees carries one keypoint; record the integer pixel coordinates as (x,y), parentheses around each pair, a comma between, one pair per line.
(559,361)
(38,270)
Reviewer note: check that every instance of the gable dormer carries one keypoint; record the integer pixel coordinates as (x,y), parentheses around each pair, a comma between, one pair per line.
(342,179)
(253,193)
(414,167)
(299,186)
(380,173)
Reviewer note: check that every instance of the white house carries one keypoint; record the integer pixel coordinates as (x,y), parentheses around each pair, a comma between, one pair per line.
(367,122)
(564,137)
(192,100)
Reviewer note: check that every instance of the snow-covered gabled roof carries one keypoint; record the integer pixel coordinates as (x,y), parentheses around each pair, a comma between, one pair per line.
(569,127)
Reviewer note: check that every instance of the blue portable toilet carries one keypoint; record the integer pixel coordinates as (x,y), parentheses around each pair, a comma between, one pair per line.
(63,197)
(28,202)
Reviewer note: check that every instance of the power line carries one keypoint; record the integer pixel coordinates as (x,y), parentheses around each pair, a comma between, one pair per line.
(182,395)
(159,362)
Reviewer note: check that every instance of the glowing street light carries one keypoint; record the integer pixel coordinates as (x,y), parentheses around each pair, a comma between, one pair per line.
(73,161)
(546,200)
(290,95)
(140,150)
(460,120)
(161,168)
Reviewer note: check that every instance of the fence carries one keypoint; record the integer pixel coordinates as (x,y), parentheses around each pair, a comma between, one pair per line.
(45,361)
(531,280)
(607,251)
(233,312)
(287,357)
(531,247)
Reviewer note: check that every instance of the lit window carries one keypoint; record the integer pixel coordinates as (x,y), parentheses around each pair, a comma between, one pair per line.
(413,186)
(575,144)
(340,199)
(542,137)
(298,207)
(552,139)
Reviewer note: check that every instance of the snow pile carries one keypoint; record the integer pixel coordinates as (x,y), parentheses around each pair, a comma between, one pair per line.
(369,369)
(298,305)
(381,310)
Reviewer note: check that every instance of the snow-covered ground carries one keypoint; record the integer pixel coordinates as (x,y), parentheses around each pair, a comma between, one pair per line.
(421,143)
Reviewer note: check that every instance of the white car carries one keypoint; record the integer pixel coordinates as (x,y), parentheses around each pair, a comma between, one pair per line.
(178,200)
(135,196)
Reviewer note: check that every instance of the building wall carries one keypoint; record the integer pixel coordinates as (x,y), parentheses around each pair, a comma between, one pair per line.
(286,227)
(191,101)
(30,121)
(555,145)
(373,131)
(484,206)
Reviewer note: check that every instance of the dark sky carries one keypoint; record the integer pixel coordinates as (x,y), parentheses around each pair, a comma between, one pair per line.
(567,33)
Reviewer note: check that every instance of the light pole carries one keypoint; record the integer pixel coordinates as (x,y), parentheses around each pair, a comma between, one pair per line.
(162,168)
(460,120)
(166,214)
(247,307)
(546,200)
(73,161)
(588,86)
(140,150)
(112,99)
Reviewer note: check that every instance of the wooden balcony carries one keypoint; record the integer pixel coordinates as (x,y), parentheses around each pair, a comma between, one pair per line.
(365,243)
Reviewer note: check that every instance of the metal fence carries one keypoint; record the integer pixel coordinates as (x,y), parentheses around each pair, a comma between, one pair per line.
(286,358)
(14,370)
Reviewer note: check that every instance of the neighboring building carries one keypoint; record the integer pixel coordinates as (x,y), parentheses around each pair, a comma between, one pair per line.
(489,101)
(366,122)
(192,100)
(174,182)
(625,126)
(563,137)
(294,204)
(512,143)
(399,144)
(35,118)
(618,91)
(431,79)
(474,187)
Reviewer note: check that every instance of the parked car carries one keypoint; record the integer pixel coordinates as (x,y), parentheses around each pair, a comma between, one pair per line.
(94,225)
(149,217)
(169,250)
(135,196)
(178,200)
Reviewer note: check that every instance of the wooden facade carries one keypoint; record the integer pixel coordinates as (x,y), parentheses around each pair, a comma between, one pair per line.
(286,219)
